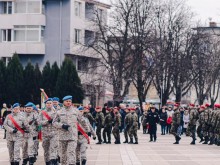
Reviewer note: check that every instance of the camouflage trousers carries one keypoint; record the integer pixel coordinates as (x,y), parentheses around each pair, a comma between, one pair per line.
(48,145)
(57,145)
(133,133)
(82,145)
(126,130)
(199,131)
(205,130)
(192,131)
(14,150)
(116,133)
(67,152)
(28,148)
(99,133)
(174,130)
(107,130)
(36,145)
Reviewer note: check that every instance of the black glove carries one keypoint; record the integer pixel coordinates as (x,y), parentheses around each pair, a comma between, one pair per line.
(94,137)
(35,138)
(15,130)
(50,121)
(89,134)
(65,126)
(26,131)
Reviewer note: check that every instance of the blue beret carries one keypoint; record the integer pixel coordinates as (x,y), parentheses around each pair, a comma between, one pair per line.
(29,104)
(56,99)
(81,108)
(35,108)
(67,98)
(49,99)
(16,105)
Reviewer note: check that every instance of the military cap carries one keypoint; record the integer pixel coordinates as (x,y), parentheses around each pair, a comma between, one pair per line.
(133,109)
(29,104)
(176,105)
(67,98)
(217,105)
(207,105)
(35,108)
(98,108)
(108,109)
(56,99)
(49,99)
(202,106)
(192,105)
(81,108)
(16,105)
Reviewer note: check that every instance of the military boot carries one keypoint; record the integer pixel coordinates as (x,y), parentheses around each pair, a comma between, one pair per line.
(24,161)
(53,162)
(31,161)
(202,139)
(193,142)
(206,140)
(83,162)
(47,163)
(12,163)
(177,140)
(136,141)
(131,141)
(77,163)
(126,141)
(211,142)
(16,163)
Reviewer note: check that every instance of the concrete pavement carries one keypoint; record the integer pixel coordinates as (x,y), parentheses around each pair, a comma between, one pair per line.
(162,152)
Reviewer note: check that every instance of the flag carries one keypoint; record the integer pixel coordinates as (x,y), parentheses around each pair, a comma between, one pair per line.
(44,97)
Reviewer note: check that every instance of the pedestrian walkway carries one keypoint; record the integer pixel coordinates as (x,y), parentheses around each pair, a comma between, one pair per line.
(162,152)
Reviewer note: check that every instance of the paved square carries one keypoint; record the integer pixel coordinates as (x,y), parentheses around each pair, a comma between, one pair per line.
(162,152)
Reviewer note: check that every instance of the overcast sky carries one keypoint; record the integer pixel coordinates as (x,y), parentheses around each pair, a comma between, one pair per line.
(204,9)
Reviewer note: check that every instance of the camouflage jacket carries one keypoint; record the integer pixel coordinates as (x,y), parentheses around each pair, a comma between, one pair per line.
(32,119)
(193,117)
(214,120)
(89,127)
(89,116)
(47,128)
(108,120)
(176,118)
(69,116)
(217,123)
(117,119)
(127,120)
(9,126)
(99,119)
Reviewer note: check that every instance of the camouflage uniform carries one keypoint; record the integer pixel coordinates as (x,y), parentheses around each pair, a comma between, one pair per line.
(99,123)
(176,120)
(117,125)
(29,152)
(133,118)
(48,132)
(36,141)
(191,130)
(217,128)
(213,126)
(127,126)
(68,138)
(143,120)
(14,139)
(82,143)
(89,116)
(107,127)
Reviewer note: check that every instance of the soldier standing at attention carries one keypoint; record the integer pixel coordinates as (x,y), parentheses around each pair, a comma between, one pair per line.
(49,132)
(14,135)
(107,127)
(133,127)
(193,117)
(127,124)
(99,124)
(117,124)
(66,121)
(88,115)
(153,119)
(31,135)
(83,140)
(176,118)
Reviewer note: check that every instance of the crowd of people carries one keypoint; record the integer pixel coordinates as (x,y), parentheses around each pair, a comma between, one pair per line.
(66,129)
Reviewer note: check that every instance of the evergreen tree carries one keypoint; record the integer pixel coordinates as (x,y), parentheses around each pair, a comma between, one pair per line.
(28,94)
(37,84)
(54,74)
(2,82)
(14,81)
(68,82)
(46,79)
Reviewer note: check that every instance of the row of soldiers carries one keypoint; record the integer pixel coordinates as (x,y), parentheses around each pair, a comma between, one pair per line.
(204,121)
(64,133)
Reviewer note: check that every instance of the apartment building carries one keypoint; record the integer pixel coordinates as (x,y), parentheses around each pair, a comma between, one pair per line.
(48,30)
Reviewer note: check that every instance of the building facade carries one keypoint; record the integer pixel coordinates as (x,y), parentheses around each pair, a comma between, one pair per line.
(48,30)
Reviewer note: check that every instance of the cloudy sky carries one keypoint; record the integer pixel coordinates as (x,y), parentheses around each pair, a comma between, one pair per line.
(204,9)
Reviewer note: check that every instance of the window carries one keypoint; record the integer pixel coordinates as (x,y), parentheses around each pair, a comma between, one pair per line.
(28,6)
(89,11)
(7,7)
(28,33)
(77,8)
(6,35)
(77,35)
(6,60)
(89,38)
(82,64)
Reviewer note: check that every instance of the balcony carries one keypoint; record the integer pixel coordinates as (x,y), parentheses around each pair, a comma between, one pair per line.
(9,48)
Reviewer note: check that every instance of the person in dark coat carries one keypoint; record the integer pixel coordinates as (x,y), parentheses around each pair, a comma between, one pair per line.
(153,119)
(163,121)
